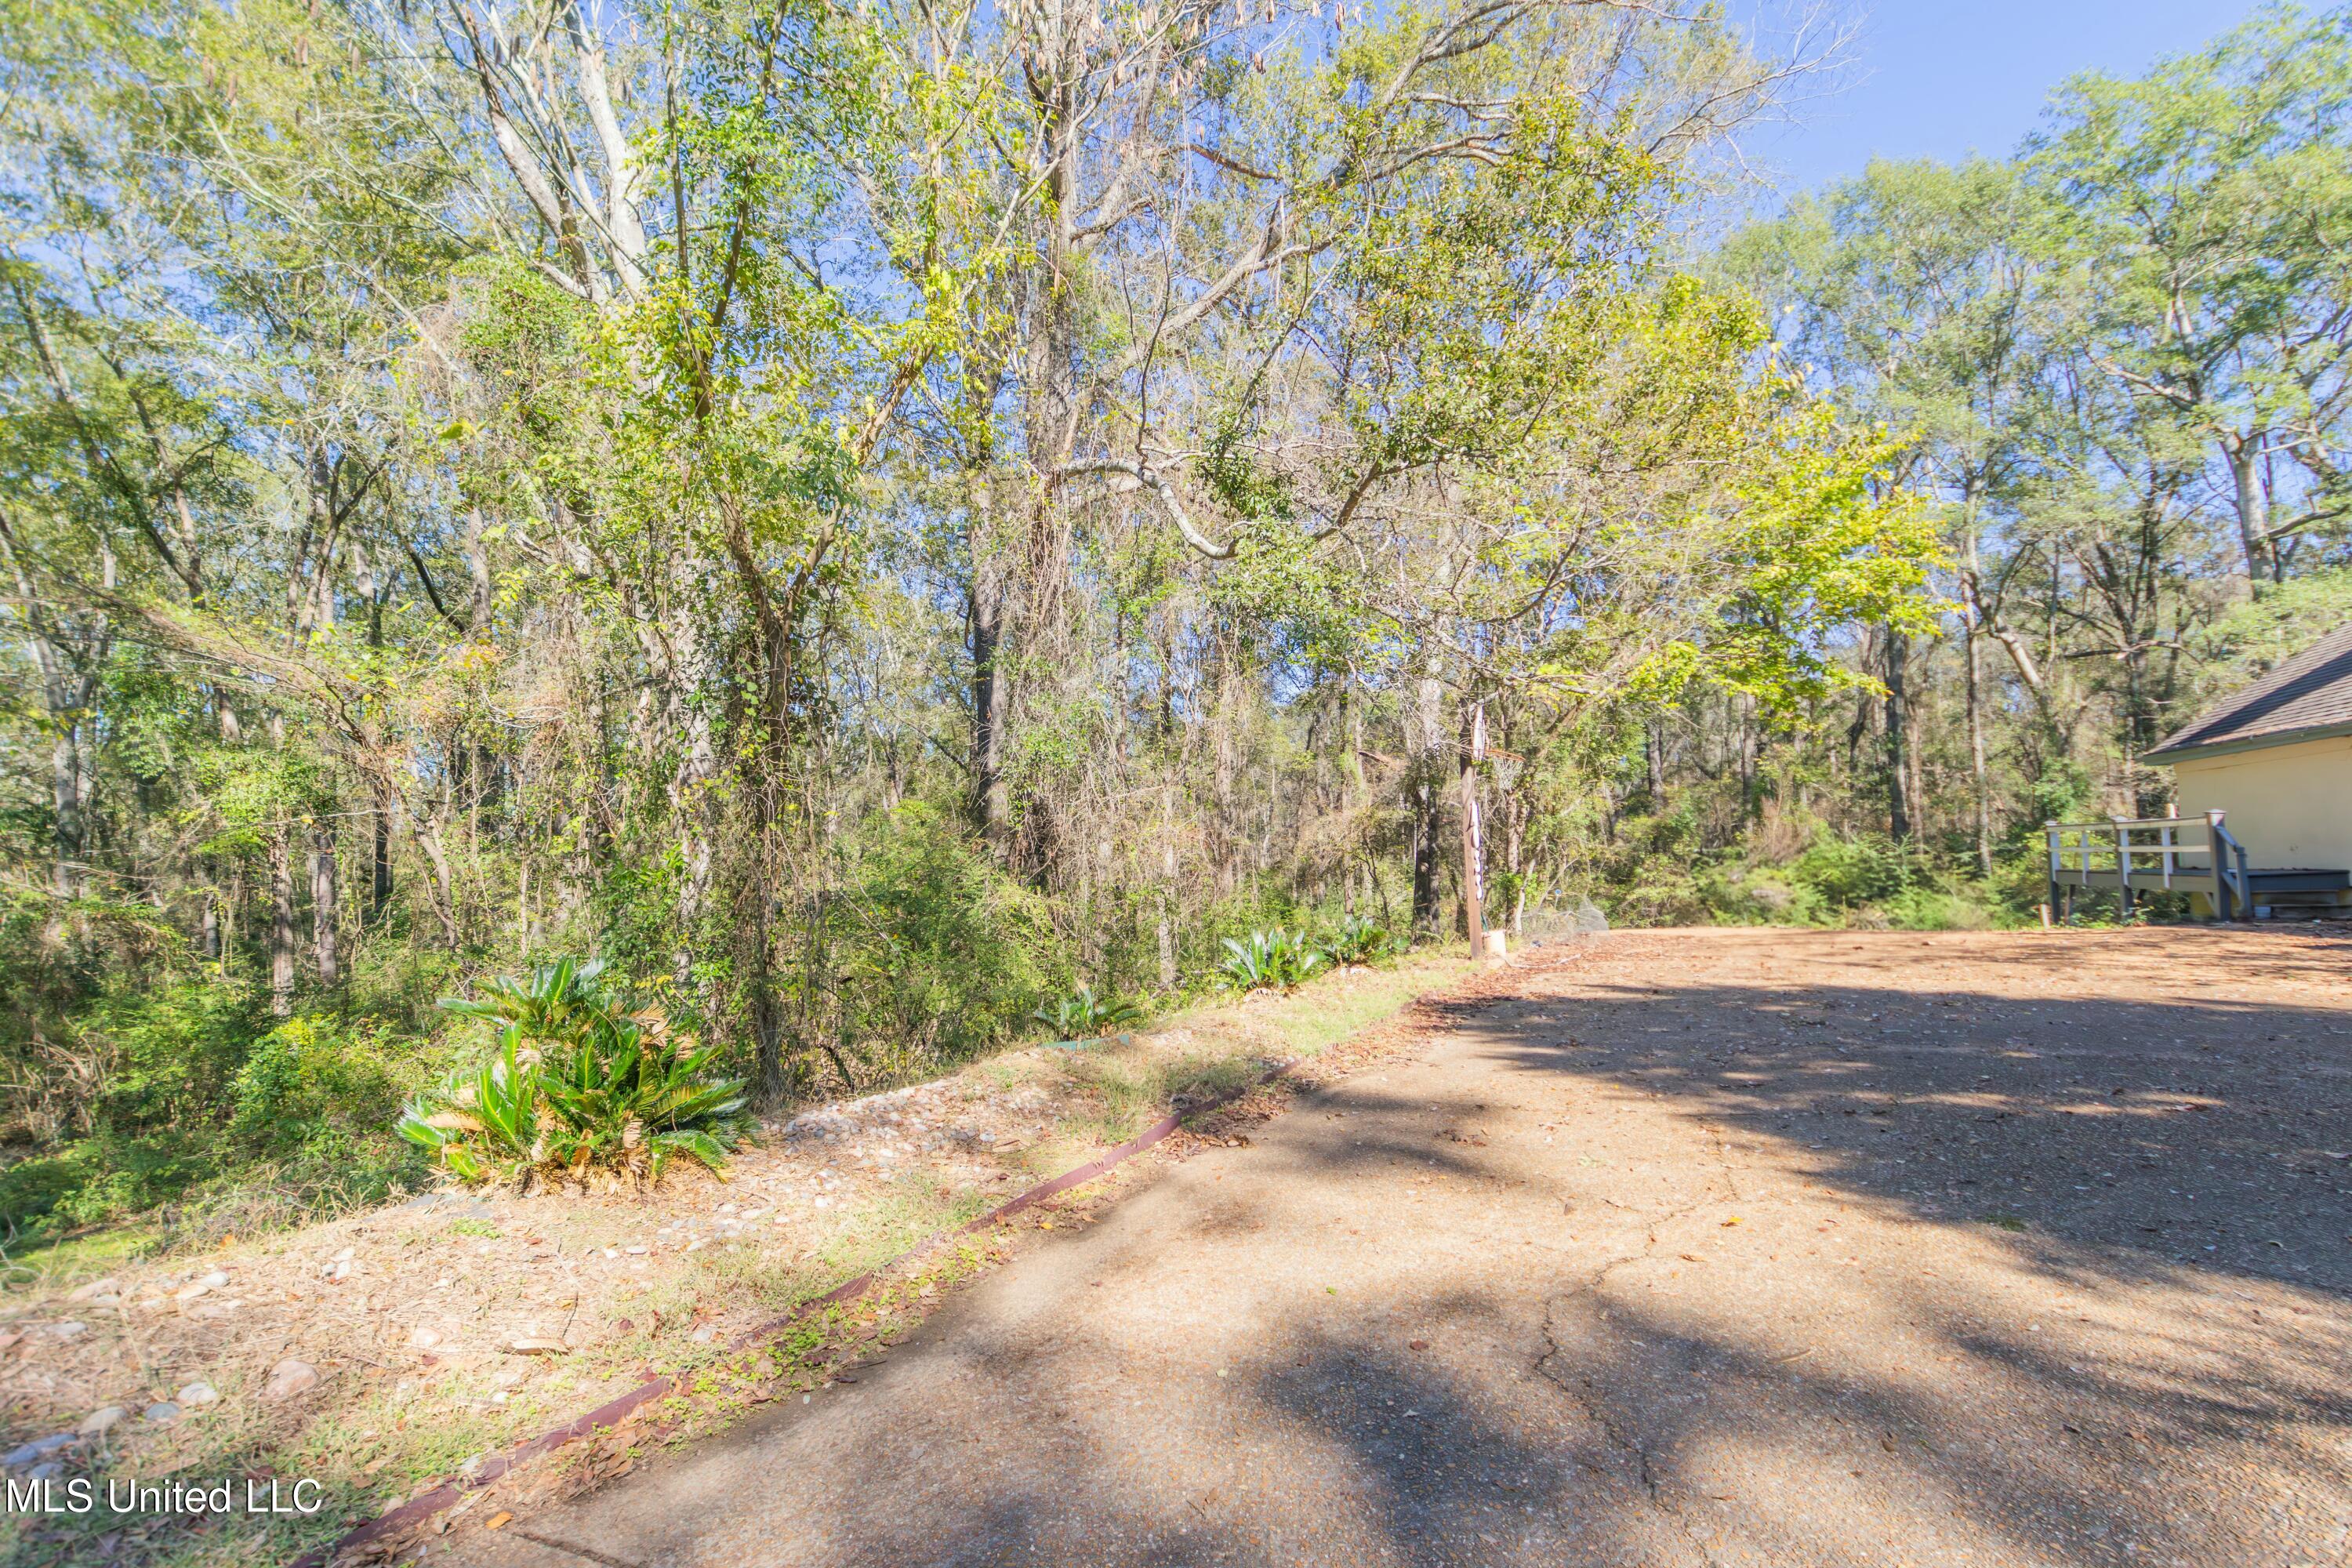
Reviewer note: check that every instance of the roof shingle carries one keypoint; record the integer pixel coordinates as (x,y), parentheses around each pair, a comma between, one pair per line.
(2310,692)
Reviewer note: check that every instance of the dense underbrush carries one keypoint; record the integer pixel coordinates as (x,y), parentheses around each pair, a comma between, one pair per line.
(154,1087)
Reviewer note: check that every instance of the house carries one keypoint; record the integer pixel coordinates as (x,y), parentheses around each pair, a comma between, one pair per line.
(2276,759)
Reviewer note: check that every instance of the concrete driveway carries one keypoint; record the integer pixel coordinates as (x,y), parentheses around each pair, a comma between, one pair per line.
(1763,1249)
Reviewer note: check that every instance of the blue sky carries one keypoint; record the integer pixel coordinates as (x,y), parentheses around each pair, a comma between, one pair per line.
(1945,78)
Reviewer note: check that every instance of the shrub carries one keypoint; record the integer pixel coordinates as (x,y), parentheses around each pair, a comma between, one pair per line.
(1275,960)
(1934,909)
(1082,1015)
(315,1080)
(1361,940)
(1848,872)
(931,953)
(577,1093)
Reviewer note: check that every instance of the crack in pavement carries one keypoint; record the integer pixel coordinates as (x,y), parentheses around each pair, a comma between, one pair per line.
(586,1554)
(1589,1399)
(1586,1396)
(1582,1392)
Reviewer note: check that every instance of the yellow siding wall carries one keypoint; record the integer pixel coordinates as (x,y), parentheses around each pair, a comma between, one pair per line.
(2291,806)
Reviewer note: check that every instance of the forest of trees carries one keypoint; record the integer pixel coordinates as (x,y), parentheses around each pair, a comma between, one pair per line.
(869,516)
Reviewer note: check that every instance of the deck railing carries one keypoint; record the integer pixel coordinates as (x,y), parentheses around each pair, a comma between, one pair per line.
(2144,855)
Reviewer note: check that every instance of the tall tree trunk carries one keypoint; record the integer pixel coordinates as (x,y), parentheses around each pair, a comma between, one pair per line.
(1898,721)
(1979,775)
(1352,794)
(374,584)
(1425,786)
(990,811)
(1222,847)
(232,910)
(211,929)
(380,862)
(1473,855)
(324,905)
(1745,717)
(440,887)
(71,664)
(2250,500)
(281,922)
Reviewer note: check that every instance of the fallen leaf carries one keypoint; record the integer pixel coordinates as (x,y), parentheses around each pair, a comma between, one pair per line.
(496,1520)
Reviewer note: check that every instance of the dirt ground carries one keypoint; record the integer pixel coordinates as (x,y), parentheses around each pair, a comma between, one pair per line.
(1736,1250)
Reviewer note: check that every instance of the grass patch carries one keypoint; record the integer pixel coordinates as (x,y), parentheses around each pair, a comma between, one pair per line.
(1216,1048)
(1376,998)
(70,1260)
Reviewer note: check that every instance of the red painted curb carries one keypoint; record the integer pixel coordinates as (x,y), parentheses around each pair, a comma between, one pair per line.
(416,1510)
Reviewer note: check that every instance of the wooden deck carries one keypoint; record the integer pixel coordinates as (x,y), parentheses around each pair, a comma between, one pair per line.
(2149,855)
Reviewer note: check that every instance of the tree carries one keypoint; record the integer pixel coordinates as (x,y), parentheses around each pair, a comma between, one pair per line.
(2208,207)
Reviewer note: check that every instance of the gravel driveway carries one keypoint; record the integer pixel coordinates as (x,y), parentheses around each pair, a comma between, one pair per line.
(1757,1248)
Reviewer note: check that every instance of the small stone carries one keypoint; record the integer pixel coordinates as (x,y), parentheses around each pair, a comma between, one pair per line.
(705,1334)
(730,1208)
(39,1448)
(424,1338)
(288,1378)
(198,1394)
(347,1254)
(191,1291)
(99,1422)
(634,1252)
(69,1330)
(163,1413)
(95,1288)
(215,1280)
(536,1346)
